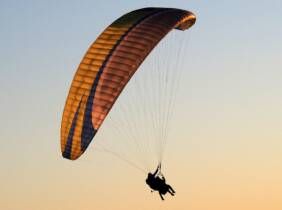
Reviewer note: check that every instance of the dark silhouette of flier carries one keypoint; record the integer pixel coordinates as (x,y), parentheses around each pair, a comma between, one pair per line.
(156,181)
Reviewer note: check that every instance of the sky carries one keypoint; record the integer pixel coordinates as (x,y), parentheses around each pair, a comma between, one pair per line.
(225,148)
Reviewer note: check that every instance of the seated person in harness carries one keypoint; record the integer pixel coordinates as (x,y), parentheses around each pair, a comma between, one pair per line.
(156,181)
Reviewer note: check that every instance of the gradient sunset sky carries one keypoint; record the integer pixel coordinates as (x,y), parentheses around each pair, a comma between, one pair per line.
(225,151)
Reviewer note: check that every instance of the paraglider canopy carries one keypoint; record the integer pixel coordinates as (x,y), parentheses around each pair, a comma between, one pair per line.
(107,67)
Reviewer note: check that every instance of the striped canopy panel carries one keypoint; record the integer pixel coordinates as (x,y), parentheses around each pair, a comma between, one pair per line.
(106,68)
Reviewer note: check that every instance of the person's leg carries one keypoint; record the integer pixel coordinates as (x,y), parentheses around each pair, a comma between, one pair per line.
(170,192)
(161,196)
(170,189)
(165,189)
